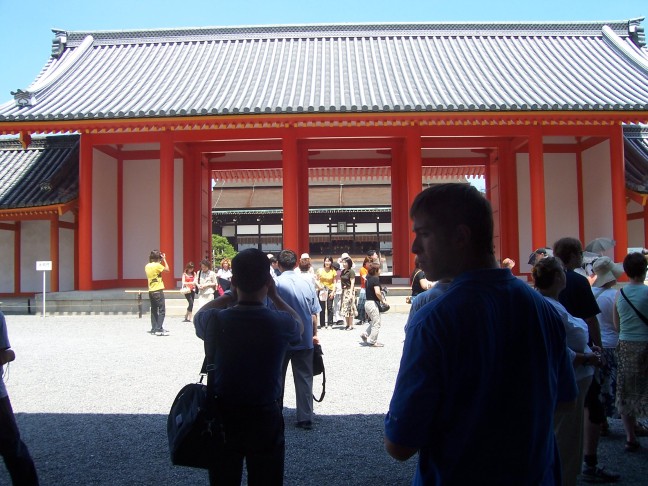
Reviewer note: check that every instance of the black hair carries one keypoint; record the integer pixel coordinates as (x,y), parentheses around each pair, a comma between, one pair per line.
(250,270)
(453,204)
(155,256)
(545,270)
(634,265)
(564,248)
(287,259)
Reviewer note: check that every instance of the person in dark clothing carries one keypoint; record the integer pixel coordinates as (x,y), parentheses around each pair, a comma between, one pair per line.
(248,343)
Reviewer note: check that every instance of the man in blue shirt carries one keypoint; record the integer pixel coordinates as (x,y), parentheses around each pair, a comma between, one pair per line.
(302,298)
(484,365)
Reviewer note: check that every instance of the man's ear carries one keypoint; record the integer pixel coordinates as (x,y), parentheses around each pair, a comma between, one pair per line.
(462,236)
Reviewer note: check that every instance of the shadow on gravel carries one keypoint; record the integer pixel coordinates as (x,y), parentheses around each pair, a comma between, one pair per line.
(132,450)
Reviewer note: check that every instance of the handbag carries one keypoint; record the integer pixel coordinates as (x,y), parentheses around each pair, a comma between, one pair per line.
(185,290)
(382,306)
(318,369)
(195,435)
(194,426)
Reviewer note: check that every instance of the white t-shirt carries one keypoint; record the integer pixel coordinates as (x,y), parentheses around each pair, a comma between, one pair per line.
(605,300)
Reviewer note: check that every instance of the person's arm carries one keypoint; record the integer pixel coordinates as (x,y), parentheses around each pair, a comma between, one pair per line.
(6,356)
(315,323)
(616,320)
(281,304)
(164,261)
(425,283)
(378,293)
(399,452)
(594,330)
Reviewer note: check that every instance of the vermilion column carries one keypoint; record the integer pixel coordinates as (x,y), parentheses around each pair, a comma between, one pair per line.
(414,178)
(290,166)
(120,220)
(17,255)
(85,213)
(617,172)
(303,188)
(399,208)
(536,172)
(510,229)
(579,193)
(166,209)
(54,253)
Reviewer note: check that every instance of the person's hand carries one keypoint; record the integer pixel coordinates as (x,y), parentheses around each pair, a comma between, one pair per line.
(316,340)
(331,296)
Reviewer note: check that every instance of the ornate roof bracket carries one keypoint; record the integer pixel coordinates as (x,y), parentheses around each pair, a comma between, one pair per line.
(23,98)
(58,43)
(624,49)
(636,31)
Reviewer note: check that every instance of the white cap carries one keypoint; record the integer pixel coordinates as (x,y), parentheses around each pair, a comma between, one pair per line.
(344,255)
(270,256)
(305,255)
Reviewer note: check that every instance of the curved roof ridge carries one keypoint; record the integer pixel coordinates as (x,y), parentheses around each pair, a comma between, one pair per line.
(583,28)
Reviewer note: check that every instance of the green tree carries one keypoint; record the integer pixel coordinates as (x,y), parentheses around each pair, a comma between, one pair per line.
(221,248)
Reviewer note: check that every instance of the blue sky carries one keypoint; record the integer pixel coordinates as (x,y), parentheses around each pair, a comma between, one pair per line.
(25,35)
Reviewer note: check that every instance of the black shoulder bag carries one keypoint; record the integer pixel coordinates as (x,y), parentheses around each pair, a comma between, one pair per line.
(318,369)
(643,318)
(194,426)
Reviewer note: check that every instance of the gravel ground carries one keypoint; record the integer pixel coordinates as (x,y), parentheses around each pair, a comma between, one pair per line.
(91,396)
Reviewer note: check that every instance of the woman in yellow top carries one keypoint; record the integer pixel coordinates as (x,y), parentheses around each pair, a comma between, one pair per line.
(326,286)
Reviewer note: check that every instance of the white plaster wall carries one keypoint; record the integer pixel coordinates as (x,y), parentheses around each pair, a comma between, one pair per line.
(104,217)
(142,222)
(597,192)
(66,259)
(561,196)
(35,244)
(561,202)
(178,229)
(7,260)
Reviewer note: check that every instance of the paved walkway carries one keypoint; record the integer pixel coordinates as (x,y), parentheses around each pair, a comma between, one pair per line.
(92,393)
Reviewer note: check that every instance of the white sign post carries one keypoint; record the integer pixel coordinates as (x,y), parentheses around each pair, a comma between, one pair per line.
(44,266)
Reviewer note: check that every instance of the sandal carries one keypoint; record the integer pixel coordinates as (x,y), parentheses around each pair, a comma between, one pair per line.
(377,345)
(632,446)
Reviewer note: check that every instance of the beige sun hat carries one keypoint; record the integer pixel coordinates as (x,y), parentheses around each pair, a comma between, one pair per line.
(606,271)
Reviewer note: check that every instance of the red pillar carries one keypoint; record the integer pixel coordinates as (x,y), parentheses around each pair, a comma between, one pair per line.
(414,180)
(290,166)
(166,208)
(510,227)
(120,220)
(579,193)
(617,172)
(85,213)
(17,256)
(303,188)
(399,207)
(54,253)
(536,171)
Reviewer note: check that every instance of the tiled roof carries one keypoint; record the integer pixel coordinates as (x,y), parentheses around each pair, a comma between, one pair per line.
(45,174)
(636,157)
(590,66)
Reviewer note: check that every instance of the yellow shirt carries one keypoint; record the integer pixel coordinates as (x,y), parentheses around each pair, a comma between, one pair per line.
(327,278)
(154,275)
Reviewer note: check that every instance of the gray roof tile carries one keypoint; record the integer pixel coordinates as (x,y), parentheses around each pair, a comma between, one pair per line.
(46,173)
(339,68)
